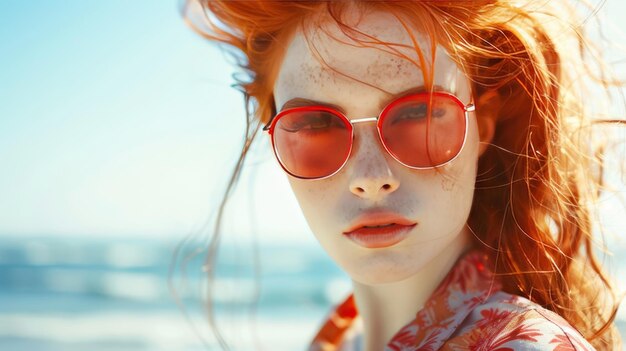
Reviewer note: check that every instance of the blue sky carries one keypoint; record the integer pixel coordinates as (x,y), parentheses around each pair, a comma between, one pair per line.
(116,120)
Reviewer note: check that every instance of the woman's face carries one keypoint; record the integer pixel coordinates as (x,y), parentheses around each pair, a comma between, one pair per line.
(372,182)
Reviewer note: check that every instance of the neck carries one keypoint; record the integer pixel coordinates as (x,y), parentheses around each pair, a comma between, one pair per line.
(385,308)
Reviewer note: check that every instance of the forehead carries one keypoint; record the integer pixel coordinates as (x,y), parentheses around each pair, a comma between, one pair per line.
(324,64)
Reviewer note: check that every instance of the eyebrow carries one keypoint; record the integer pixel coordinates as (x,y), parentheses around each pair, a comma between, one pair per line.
(299,102)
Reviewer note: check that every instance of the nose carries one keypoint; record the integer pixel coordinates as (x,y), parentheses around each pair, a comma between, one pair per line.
(371,177)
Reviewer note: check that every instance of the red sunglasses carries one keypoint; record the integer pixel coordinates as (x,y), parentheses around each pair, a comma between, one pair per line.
(421,131)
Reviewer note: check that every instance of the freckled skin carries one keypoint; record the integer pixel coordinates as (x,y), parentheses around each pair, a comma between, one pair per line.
(438,202)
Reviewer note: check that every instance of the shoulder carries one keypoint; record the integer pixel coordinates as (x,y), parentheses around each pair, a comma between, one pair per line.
(509,322)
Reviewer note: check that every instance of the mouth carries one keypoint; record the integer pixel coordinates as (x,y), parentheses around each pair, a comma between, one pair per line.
(379,226)
(380,236)
(378,219)
(379,229)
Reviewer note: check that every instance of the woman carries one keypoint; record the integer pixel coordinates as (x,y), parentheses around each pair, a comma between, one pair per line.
(440,152)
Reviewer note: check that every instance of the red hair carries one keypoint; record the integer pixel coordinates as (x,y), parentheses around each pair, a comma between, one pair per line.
(538,180)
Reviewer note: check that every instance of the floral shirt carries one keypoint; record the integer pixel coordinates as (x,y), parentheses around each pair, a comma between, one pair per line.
(467,311)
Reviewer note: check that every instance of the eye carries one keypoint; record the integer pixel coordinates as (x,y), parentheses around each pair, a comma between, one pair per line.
(415,111)
(438,111)
(314,121)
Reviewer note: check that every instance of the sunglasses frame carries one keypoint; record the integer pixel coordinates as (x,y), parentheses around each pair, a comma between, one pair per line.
(269,127)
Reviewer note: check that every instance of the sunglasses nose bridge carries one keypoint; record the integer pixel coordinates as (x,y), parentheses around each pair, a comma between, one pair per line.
(368,130)
(365,120)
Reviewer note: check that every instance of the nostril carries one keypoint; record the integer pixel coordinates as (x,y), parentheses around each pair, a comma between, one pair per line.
(386,187)
(359,189)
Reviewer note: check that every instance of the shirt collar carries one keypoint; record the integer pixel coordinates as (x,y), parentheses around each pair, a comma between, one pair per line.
(468,284)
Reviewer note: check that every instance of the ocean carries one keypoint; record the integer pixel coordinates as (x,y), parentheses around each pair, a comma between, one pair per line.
(86,294)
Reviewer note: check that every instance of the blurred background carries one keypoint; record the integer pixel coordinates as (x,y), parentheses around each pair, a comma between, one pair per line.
(118,131)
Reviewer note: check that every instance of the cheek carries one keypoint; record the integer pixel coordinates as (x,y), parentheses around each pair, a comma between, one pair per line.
(316,199)
(459,179)
(307,191)
(460,174)
(457,183)
(457,187)
(447,194)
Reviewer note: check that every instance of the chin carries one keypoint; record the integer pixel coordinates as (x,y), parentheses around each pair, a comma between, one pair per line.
(382,267)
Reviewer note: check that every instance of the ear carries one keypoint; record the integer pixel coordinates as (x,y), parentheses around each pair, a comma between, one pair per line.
(487,108)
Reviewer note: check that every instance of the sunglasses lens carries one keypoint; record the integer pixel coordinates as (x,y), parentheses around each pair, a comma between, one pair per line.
(311,144)
(424,130)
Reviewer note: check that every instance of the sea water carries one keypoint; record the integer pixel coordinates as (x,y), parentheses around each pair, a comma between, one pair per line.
(83,294)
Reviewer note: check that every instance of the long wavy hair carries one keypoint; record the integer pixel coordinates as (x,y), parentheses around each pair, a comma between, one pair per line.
(538,182)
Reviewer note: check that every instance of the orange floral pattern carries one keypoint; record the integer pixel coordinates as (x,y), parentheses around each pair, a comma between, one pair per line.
(467,311)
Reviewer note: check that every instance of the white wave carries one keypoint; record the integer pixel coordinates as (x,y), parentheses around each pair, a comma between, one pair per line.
(159,331)
(124,255)
(134,286)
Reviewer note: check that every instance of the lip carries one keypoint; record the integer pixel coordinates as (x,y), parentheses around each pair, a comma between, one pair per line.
(379,229)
